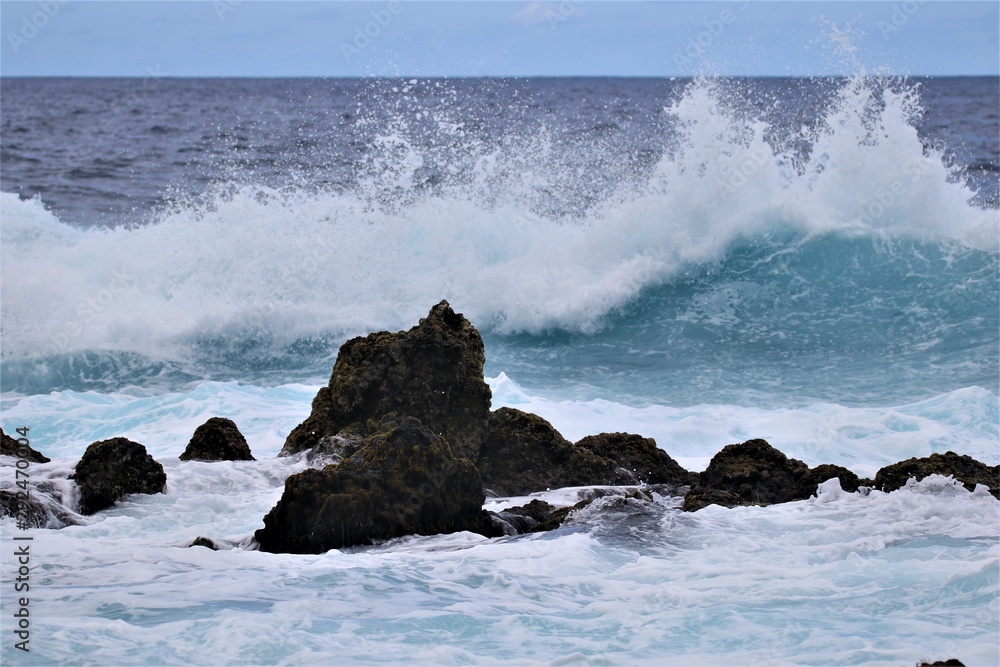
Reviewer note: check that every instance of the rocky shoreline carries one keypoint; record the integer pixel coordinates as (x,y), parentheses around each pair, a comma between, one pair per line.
(409,446)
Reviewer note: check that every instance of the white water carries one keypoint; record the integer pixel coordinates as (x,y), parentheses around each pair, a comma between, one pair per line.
(298,263)
(840,579)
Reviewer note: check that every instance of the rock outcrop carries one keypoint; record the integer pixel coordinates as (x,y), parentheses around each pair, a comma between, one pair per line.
(112,469)
(10,446)
(523,453)
(751,473)
(966,469)
(636,460)
(433,372)
(813,477)
(404,480)
(218,439)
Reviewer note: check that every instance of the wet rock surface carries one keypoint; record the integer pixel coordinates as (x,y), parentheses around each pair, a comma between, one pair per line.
(523,453)
(218,439)
(112,469)
(433,372)
(750,473)
(404,480)
(9,446)
(966,469)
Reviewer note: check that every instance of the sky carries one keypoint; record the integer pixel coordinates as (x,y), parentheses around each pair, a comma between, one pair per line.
(497,38)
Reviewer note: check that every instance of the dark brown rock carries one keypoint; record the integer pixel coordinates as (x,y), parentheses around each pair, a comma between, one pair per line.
(815,476)
(9,446)
(112,469)
(205,542)
(963,468)
(636,460)
(433,372)
(751,473)
(218,439)
(523,453)
(523,518)
(42,505)
(404,480)
(24,508)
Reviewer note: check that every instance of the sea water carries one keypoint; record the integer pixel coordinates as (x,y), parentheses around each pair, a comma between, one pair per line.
(813,262)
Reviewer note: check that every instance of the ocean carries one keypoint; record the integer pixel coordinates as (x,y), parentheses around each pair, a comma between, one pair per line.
(702,261)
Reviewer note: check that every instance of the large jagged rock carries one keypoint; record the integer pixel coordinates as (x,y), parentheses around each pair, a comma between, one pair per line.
(636,460)
(112,469)
(218,439)
(433,372)
(404,480)
(523,453)
(966,469)
(751,473)
(9,447)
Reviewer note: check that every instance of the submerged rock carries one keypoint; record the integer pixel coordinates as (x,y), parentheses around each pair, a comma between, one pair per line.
(112,469)
(404,480)
(218,439)
(24,508)
(44,505)
(523,453)
(9,446)
(966,469)
(750,473)
(206,542)
(433,372)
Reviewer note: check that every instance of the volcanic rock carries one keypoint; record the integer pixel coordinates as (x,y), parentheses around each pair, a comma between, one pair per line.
(751,473)
(433,372)
(523,453)
(636,460)
(815,476)
(218,439)
(404,480)
(9,447)
(112,469)
(966,469)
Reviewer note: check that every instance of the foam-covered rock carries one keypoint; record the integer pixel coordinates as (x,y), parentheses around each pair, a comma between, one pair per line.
(218,439)
(112,469)
(404,480)
(814,477)
(433,372)
(963,468)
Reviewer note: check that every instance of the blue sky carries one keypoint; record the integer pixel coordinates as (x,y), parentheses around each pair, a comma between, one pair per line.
(497,38)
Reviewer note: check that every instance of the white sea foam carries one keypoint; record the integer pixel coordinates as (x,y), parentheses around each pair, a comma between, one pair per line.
(300,262)
(848,579)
